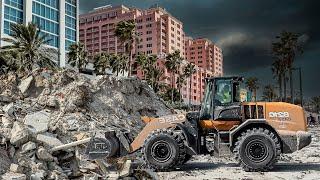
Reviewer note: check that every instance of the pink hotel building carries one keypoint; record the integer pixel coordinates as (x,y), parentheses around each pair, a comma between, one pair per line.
(160,33)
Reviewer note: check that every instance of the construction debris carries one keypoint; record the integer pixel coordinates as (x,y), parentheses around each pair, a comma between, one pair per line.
(47,118)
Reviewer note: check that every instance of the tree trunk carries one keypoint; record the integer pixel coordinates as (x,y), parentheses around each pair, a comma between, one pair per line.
(172,86)
(190,90)
(285,88)
(130,61)
(280,88)
(291,86)
(255,95)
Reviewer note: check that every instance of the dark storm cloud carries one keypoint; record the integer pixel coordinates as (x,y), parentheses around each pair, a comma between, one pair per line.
(245,30)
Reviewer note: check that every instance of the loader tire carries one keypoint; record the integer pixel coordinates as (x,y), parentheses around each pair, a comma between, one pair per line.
(257,149)
(163,150)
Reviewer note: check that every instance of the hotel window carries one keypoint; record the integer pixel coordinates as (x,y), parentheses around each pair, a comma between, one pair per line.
(140,46)
(149,38)
(172,22)
(149,45)
(139,27)
(149,32)
(149,25)
(172,35)
(148,19)
(178,32)
(149,52)
(172,28)
(139,20)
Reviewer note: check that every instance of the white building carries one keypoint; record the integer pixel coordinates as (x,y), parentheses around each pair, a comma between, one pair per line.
(57,18)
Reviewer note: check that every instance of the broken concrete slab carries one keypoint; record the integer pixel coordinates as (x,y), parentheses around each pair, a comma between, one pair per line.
(14,176)
(19,134)
(7,122)
(49,140)
(25,84)
(15,168)
(38,121)
(5,98)
(29,146)
(44,155)
(39,175)
(9,110)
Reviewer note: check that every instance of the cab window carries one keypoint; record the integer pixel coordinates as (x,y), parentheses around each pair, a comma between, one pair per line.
(223,92)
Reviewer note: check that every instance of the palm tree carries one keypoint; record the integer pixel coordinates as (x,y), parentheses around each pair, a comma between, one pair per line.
(269,93)
(101,63)
(285,49)
(181,80)
(78,56)
(119,64)
(189,70)
(126,32)
(252,85)
(154,78)
(172,64)
(9,61)
(29,43)
(142,61)
(278,70)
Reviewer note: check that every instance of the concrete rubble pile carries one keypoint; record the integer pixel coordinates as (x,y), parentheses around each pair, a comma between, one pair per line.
(43,110)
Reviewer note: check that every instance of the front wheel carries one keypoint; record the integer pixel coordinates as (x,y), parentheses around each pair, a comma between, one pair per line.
(257,149)
(163,150)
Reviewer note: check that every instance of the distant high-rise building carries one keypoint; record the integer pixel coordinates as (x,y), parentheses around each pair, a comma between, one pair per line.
(159,32)
(203,53)
(56,18)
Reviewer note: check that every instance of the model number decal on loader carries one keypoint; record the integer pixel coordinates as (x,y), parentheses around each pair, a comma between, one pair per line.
(172,119)
(279,114)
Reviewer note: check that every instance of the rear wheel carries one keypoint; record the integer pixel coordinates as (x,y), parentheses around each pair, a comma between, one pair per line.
(257,149)
(163,149)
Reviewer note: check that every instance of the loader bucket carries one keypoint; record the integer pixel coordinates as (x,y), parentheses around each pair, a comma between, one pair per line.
(103,146)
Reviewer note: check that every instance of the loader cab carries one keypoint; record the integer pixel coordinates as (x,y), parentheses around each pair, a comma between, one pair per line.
(222,99)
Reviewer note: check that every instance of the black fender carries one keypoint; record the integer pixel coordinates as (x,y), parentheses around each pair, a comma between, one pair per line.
(250,123)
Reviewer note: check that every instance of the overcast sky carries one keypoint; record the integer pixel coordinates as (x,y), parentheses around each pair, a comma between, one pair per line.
(245,30)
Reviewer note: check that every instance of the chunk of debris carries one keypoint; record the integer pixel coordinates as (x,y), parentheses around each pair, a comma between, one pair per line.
(14,176)
(15,168)
(9,110)
(25,84)
(38,121)
(29,146)
(19,134)
(49,140)
(44,155)
(4,161)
